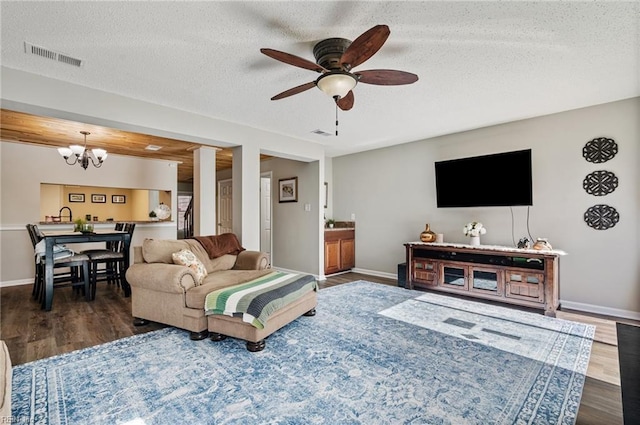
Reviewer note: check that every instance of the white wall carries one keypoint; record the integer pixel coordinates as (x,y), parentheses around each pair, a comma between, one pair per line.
(392,193)
(23,167)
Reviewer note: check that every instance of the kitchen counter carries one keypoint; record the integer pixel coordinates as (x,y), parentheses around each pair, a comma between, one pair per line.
(56,223)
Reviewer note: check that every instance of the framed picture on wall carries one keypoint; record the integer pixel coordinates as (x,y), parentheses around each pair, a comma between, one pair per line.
(98,198)
(288,190)
(76,197)
(118,199)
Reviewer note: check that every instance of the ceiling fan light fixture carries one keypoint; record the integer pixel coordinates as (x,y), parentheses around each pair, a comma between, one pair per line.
(336,83)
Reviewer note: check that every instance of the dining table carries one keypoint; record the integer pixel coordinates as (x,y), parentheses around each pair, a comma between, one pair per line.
(52,238)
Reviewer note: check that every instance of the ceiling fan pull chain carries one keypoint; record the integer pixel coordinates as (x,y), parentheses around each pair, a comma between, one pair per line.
(336,99)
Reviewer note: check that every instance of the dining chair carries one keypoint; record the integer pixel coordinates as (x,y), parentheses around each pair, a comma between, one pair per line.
(68,271)
(106,255)
(112,257)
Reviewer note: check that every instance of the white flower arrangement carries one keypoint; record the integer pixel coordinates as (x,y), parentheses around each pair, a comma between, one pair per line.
(474,229)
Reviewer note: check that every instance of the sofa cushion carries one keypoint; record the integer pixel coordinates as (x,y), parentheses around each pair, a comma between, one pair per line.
(161,250)
(187,258)
(221,279)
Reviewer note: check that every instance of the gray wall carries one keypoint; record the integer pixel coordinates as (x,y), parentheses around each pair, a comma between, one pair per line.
(295,233)
(294,230)
(392,193)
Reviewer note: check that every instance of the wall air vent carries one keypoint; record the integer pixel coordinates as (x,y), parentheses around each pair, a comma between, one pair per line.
(321,133)
(32,49)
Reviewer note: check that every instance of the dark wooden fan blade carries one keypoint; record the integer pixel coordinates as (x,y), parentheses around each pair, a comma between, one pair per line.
(365,46)
(386,77)
(294,90)
(292,60)
(346,103)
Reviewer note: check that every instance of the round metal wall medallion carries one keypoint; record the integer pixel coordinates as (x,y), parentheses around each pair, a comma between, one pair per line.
(601,217)
(600,150)
(600,183)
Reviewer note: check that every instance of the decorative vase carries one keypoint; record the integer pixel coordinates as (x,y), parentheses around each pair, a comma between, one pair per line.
(427,235)
(542,243)
(475,241)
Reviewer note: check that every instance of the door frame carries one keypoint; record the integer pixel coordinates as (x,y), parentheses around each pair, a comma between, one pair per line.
(267,175)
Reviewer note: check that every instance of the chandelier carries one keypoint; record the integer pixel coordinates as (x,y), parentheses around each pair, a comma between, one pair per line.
(82,156)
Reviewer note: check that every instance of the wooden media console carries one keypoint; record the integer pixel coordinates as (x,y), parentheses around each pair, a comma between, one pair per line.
(524,277)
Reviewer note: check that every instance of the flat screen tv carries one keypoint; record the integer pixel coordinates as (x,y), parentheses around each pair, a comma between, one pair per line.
(497,180)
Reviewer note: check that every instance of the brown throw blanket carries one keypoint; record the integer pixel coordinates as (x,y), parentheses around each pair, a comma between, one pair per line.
(219,245)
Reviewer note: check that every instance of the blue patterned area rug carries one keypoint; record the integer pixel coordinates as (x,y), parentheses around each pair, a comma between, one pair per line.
(373,354)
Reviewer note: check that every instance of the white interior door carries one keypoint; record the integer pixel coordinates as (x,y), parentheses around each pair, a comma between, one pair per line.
(225,207)
(265,215)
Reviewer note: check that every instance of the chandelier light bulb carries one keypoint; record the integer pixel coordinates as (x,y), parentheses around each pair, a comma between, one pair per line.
(65,152)
(101,154)
(77,149)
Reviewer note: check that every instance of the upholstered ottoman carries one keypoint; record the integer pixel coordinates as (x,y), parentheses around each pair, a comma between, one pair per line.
(255,310)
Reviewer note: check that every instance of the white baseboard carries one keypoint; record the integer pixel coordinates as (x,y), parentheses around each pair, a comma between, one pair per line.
(16,282)
(606,311)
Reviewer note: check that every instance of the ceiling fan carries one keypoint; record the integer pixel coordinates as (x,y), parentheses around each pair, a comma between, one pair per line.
(335,60)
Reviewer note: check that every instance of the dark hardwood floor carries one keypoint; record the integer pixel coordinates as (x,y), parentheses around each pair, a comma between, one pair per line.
(73,323)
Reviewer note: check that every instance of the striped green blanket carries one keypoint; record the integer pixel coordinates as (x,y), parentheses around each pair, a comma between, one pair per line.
(258,299)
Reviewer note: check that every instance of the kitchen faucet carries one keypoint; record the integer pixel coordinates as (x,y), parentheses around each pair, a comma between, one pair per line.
(70,215)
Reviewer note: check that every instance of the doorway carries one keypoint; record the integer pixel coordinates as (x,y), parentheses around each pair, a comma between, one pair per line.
(225,207)
(266,243)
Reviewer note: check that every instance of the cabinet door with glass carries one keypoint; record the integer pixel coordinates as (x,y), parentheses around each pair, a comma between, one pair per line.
(453,276)
(486,281)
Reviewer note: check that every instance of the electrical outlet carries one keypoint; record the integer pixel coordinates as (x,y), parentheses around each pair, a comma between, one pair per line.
(307,207)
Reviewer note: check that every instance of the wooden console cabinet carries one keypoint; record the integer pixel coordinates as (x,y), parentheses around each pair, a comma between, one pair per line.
(523,277)
(339,250)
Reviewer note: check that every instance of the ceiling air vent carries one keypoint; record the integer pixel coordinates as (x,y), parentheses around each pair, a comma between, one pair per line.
(321,133)
(32,49)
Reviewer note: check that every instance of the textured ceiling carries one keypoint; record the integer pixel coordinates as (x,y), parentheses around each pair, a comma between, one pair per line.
(479,63)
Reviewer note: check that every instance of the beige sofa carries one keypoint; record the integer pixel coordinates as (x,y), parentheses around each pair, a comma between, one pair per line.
(6,374)
(168,293)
